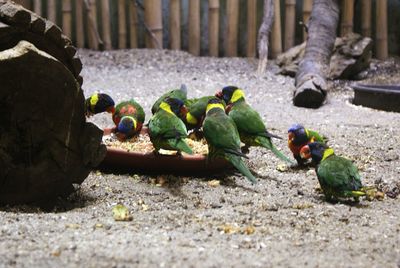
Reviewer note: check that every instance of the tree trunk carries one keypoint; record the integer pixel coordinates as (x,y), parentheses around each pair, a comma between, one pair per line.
(46,145)
(263,33)
(311,86)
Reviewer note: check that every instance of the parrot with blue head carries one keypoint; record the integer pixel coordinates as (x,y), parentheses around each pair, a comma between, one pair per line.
(180,94)
(99,103)
(128,118)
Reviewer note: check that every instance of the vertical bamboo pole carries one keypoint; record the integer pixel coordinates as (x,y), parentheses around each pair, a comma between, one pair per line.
(276,35)
(175,23)
(232,13)
(366,17)
(92,24)
(25,3)
(213,27)
(194,27)
(347,17)
(133,19)
(153,20)
(307,7)
(251,28)
(37,7)
(121,25)
(381,30)
(66,17)
(290,16)
(80,37)
(51,11)
(105,17)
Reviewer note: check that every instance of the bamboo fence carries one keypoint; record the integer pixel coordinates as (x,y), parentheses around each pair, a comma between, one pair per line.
(118,24)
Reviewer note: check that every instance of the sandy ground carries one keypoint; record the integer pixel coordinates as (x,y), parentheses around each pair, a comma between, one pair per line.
(186,221)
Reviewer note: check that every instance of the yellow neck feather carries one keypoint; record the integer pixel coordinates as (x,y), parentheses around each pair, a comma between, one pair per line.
(165,106)
(93,100)
(237,95)
(215,105)
(134,121)
(328,152)
(191,119)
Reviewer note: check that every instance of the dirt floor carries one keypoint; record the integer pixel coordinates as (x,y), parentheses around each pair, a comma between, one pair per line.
(194,222)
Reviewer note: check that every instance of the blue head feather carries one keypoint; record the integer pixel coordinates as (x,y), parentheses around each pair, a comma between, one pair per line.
(126,125)
(300,134)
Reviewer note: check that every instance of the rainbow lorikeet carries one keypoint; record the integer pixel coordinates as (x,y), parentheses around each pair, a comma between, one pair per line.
(99,103)
(196,111)
(166,130)
(180,94)
(298,136)
(337,176)
(223,137)
(128,118)
(249,123)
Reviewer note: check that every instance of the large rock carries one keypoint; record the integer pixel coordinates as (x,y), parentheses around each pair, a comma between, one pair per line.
(46,145)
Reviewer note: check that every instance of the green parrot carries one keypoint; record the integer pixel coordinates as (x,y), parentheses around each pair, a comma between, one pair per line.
(298,136)
(180,94)
(249,123)
(99,103)
(223,137)
(166,130)
(128,118)
(337,175)
(196,111)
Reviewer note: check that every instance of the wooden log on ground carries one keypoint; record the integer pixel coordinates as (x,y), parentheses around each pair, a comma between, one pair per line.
(153,21)
(79,31)
(122,33)
(105,18)
(381,30)
(232,13)
(175,23)
(213,27)
(290,16)
(366,17)
(194,27)
(311,86)
(276,34)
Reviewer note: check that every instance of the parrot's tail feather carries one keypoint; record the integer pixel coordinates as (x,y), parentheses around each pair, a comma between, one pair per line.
(270,135)
(240,165)
(266,143)
(183,88)
(182,146)
(231,151)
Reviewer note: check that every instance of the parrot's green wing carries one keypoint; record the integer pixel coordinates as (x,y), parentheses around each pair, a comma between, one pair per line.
(168,132)
(198,107)
(180,94)
(338,176)
(317,137)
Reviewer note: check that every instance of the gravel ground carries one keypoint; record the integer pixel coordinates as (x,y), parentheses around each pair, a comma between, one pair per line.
(190,222)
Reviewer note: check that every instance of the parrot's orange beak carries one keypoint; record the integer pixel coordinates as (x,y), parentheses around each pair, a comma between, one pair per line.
(218,94)
(305,152)
(291,136)
(111,110)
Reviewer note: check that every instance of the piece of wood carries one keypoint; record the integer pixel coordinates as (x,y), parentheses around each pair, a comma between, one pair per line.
(105,18)
(79,30)
(290,23)
(251,28)
(37,7)
(25,3)
(263,35)
(175,24)
(93,34)
(133,24)
(213,27)
(67,17)
(153,21)
(310,82)
(366,17)
(347,17)
(381,30)
(307,8)
(51,10)
(276,34)
(122,33)
(232,27)
(38,25)
(194,27)
(15,15)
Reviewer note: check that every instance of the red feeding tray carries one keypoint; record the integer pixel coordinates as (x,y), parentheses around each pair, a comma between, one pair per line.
(121,160)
